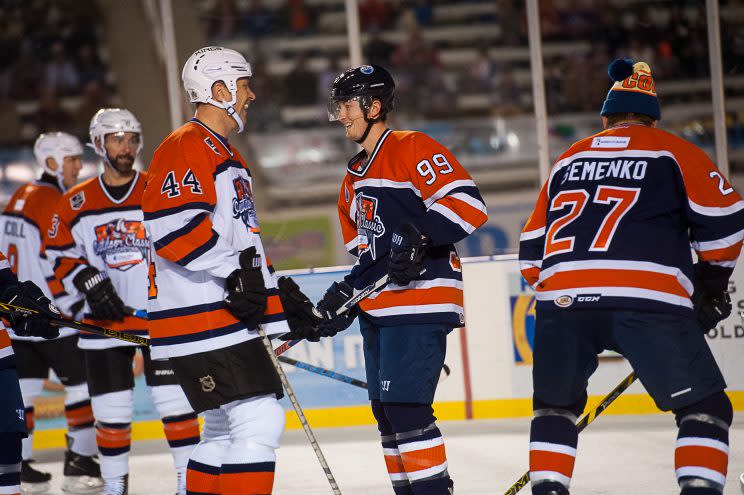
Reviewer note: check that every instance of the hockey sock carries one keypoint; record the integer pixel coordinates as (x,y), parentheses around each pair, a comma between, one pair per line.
(250,461)
(553,441)
(30,389)
(701,455)
(182,433)
(113,413)
(10,463)
(393,461)
(80,421)
(421,448)
(27,443)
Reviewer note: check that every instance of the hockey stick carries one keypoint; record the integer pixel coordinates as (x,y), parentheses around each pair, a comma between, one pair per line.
(324,371)
(298,409)
(350,303)
(585,420)
(78,325)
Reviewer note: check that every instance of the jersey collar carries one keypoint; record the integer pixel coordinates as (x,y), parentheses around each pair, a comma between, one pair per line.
(360,164)
(222,140)
(123,198)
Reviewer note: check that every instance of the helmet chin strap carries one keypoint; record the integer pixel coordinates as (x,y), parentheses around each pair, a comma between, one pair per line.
(370,123)
(228,106)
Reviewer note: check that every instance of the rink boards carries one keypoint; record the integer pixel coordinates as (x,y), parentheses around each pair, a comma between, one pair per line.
(490,361)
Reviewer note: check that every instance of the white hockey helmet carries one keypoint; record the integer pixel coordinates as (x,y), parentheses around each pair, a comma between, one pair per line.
(57,145)
(211,64)
(112,121)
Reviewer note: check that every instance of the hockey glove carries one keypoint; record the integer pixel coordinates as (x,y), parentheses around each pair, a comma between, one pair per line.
(28,295)
(246,292)
(302,316)
(711,309)
(335,297)
(104,302)
(406,254)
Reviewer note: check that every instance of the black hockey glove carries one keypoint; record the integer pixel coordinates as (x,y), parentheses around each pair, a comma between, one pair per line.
(711,309)
(335,297)
(28,295)
(246,292)
(302,316)
(406,254)
(104,302)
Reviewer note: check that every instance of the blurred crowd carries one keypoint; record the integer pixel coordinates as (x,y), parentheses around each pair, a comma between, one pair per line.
(670,35)
(51,74)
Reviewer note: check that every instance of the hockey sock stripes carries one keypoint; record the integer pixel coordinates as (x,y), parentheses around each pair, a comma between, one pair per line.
(30,419)
(113,438)
(423,455)
(202,479)
(79,415)
(701,455)
(256,478)
(181,431)
(394,464)
(553,441)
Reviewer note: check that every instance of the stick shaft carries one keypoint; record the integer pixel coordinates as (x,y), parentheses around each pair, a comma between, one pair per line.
(298,410)
(78,325)
(324,371)
(583,422)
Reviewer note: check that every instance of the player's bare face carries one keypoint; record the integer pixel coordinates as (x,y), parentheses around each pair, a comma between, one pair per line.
(244,98)
(71,167)
(121,148)
(350,115)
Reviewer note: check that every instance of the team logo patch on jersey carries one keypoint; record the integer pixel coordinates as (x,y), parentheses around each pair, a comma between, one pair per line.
(211,145)
(207,383)
(369,224)
(77,201)
(454,261)
(242,203)
(121,243)
(563,301)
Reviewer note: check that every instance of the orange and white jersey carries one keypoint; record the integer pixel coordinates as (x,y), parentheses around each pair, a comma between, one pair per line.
(91,228)
(199,209)
(615,221)
(6,349)
(23,228)
(409,177)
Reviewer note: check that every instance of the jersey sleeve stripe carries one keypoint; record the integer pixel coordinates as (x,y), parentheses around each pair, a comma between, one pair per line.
(532,234)
(719,243)
(716,211)
(64,267)
(473,216)
(730,253)
(200,250)
(192,224)
(444,190)
(152,215)
(453,217)
(471,201)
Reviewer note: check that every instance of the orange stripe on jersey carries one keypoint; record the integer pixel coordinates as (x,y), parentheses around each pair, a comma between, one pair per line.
(183,246)
(542,460)
(113,438)
(417,460)
(707,457)
(273,305)
(55,286)
(730,253)
(77,416)
(128,323)
(65,266)
(186,325)
(412,297)
(531,275)
(246,483)
(470,214)
(181,430)
(4,339)
(613,278)
(199,482)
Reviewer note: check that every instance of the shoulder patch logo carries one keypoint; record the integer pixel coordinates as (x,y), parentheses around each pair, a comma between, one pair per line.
(122,243)
(369,224)
(210,143)
(77,201)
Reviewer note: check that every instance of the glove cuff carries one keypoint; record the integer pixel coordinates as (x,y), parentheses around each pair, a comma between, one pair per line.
(91,281)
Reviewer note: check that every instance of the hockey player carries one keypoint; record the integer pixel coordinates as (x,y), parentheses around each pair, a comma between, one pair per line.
(607,250)
(24,225)
(212,284)
(12,421)
(98,246)
(404,202)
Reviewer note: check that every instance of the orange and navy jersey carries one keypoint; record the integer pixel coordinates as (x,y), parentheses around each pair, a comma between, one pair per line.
(200,212)
(409,177)
(615,221)
(23,228)
(7,278)
(91,228)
